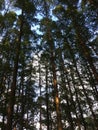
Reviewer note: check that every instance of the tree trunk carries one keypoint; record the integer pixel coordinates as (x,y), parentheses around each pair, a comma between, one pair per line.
(22,102)
(40,96)
(53,64)
(47,99)
(56,97)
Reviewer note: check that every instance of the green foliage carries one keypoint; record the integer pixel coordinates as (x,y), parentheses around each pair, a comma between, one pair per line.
(10,18)
(2,4)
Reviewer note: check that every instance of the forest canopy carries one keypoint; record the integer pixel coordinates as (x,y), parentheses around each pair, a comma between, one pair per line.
(49,65)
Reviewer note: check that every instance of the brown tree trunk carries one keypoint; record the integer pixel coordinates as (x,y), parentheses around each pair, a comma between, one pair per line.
(53,64)
(23,101)
(47,99)
(56,96)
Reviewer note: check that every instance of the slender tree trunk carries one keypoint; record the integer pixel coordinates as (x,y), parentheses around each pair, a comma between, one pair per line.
(40,96)
(53,64)
(56,97)
(22,101)
(2,84)
(3,101)
(47,99)
(51,90)
(10,109)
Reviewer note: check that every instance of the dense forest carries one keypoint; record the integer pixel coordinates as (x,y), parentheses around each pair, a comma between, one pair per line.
(48,64)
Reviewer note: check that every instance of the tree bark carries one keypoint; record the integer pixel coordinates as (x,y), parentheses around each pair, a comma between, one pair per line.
(47,99)
(56,97)
(53,64)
